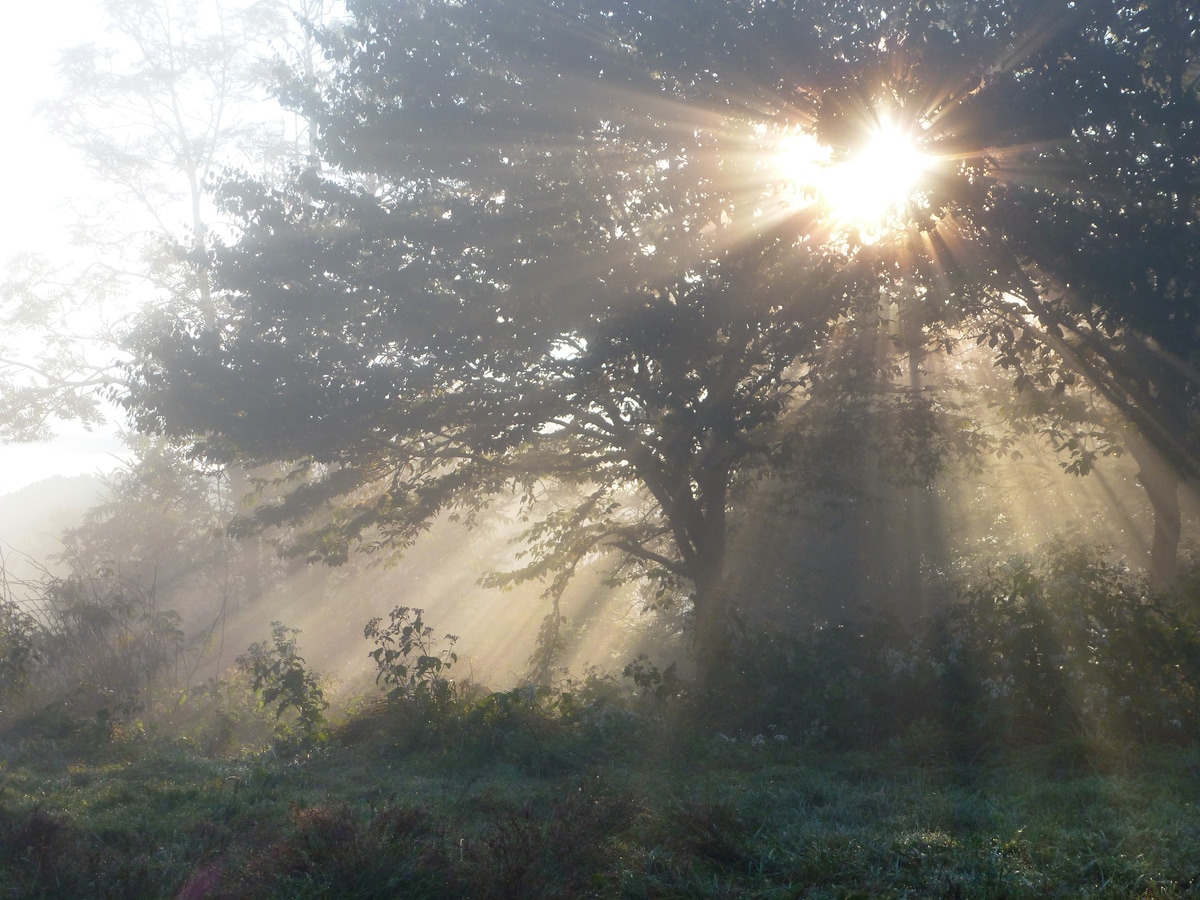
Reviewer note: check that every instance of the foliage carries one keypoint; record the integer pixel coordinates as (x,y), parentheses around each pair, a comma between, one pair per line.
(159,522)
(1111,285)
(151,104)
(503,289)
(1069,642)
(48,374)
(112,635)
(95,658)
(408,658)
(1044,648)
(19,651)
(556,260)
(281,678)
(535,728)
(582,789)
(219,717)
(1090,231)
(601,294)
(660,685)
(85,649)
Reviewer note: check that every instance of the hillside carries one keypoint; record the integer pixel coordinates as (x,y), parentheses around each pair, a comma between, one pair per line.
(32,517)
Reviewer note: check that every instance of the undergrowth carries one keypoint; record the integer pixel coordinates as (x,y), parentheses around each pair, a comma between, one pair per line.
(1003,749)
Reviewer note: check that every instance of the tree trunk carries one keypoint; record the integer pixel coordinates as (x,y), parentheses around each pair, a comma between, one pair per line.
(713,645)
(1163,489)
(1161,483)
(711,638)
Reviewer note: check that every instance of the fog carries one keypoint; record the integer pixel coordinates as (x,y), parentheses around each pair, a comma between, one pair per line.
(561,448)
(895,550)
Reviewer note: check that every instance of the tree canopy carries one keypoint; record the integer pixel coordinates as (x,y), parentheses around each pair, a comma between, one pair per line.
(548,247)
(165,94)
(1097,217)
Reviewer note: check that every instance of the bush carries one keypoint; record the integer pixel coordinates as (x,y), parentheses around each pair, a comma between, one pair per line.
(281,678)
(538,728)
(1048,647)
(408,659)
(222,716)
(85,649)
(20,649)
(1066,642)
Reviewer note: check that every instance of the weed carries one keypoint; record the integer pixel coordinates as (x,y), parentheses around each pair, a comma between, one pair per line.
(408,660)
(281,678)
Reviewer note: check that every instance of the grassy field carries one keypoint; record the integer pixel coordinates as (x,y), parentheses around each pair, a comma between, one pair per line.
(626,809)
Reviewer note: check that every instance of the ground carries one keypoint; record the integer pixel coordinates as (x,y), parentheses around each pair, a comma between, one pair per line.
(627,807)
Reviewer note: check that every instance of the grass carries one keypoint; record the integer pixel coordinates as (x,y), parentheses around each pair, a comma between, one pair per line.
(644,812)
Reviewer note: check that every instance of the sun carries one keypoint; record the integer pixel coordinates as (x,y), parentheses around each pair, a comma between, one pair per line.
(869,189)
(877,182)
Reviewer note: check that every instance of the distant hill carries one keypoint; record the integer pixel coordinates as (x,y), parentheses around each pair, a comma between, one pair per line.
(32,517)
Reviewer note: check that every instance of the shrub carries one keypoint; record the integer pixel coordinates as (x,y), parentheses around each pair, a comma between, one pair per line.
(281,678)
(20,642)
(1047,647)
(651,682)
(221,716)
(408,659)
(83,650)
(1067,642)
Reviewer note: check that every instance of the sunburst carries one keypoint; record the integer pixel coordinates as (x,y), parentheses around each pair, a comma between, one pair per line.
(868,190)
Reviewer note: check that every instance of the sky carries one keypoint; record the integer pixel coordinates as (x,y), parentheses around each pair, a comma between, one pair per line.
(40,177)
(45,181)
(40,171)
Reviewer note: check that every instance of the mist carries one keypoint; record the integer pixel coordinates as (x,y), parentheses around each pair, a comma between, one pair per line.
(574,448)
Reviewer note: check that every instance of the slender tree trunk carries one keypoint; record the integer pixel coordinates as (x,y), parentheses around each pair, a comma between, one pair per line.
(1163,490)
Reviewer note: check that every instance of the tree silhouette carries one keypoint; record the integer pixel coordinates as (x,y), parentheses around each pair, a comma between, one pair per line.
(1094,225)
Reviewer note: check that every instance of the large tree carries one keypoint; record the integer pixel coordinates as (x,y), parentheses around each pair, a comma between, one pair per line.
(551,249)
(530,265)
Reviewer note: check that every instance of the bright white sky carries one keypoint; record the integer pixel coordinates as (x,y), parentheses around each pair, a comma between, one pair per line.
(39,172)
(43,181)
(40,175)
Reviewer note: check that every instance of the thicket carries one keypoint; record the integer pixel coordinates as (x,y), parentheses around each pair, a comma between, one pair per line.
(86,652)
(1061,648)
